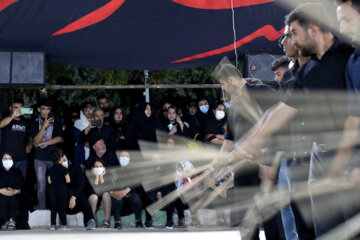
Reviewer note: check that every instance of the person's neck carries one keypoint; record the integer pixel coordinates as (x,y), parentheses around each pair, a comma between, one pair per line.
(16,118)
(172,121)
(302,60)
(326,42)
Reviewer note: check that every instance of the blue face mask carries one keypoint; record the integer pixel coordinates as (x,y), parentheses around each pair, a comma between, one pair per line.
(226,105)
(204,108)
(124,161)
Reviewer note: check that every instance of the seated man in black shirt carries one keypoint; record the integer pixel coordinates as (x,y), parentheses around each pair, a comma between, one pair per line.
(47,133)
(101,154)
(101,131)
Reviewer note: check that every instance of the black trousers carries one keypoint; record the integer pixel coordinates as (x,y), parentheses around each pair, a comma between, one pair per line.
(9,207)
(82,205)
(151,198)
(248,178)
(58,204)
(127,205)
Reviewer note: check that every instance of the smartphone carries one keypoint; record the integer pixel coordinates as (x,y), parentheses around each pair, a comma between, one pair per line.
(96,123)
(170,126)
(51,115)
(26,111)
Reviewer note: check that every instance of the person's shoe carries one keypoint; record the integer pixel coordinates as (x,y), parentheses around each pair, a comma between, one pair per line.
(181,223)
(63,228)
(52,227)
(148,225)
(91,225)
(169,224)
(139,224)
(106,224)
(117,225)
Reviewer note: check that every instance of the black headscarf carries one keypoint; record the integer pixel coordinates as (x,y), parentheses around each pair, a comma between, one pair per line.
(11,178)
(142,127)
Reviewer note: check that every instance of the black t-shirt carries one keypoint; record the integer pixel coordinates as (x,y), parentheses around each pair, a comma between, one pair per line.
(106,133)
(44,154)
(57,175)
(14,138)
(255,99)
(319,92)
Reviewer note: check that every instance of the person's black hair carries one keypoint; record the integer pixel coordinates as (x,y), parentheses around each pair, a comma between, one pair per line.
(3,154)
(112,114)
(85,104)
(98,160)
(202,97)
(215,104)
(18,100)
(102,96)
(56,155)
(173,107)
(226,71)
(354,3)
(282,62)
(45,102)
(310,13)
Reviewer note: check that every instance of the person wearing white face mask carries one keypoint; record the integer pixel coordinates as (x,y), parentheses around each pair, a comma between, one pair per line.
(215,127)
(11,183)
(126,200)
(58,177)
(99,171)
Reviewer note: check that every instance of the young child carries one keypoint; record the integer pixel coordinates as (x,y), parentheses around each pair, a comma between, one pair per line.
(58,177)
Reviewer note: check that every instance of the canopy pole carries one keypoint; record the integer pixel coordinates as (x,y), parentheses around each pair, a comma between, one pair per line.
(147,91)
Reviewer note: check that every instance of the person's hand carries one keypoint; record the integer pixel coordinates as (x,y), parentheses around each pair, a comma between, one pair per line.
(267,173)
(48,121)
(159,196)
(6,192)
(41,144)
(209,181)
(173,130)
(355,177)
(16,113)
(178,119)
(72,202)
(220,136)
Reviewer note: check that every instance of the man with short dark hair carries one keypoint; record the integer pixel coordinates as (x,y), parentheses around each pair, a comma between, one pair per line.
(15,135)
(103,102)
(279,67)
(47,133)
(102,131)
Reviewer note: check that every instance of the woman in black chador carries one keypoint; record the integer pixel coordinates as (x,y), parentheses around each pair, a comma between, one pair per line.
(11,184)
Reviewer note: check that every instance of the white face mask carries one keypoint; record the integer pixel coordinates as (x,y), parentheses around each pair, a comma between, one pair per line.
(99,170)
(204,108)
(220,115)
(65,164)
(124,161)
(8,164)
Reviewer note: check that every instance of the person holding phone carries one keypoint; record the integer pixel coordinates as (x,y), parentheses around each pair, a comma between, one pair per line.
(82,148)
(15,129)
(96,130)
(175,124)
(47,133)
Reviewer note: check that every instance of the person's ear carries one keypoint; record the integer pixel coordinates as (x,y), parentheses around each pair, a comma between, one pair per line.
(313,30)
(38,109)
